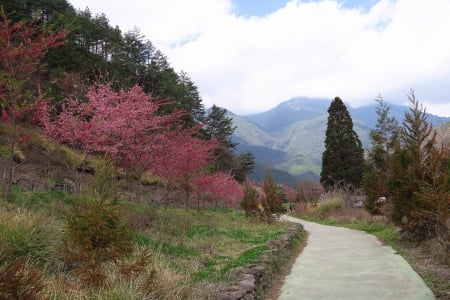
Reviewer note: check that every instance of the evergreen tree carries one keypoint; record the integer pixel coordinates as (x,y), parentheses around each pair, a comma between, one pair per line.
(272,201)
(250,201)
(384,140)
(219,126)
(419,180)
(243,165)
(343,158)
(189,100)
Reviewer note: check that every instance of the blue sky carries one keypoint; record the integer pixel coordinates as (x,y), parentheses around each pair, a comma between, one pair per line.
(250,55)
(248,8)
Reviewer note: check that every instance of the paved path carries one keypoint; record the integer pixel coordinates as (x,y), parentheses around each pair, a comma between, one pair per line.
(340,263)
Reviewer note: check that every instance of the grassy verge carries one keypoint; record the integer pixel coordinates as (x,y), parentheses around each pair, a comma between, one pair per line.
(177,254)
(208,243)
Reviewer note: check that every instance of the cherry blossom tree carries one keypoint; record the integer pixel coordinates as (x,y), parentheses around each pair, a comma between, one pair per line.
(128,127)
(220,187)
(125,125)
(183,158)
(22,46)
(290,192)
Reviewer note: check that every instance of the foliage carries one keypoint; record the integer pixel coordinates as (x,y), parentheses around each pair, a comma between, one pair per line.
(343,158)
(21,281)
(182,158)
(22,46)
(218,125)
(324,209)
(218,187)
(243,166)
(271,202)
(96,51)
(124,125)
(385,138)
(308,192)
(250,201)
(419,181)
(96,233)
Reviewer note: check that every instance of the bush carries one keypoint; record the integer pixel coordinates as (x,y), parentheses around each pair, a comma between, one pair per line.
(20,281)
(96,233)
(250,201)
(271,202)
(324,209)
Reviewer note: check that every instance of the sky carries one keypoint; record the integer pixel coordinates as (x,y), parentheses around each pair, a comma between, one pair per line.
(250,55)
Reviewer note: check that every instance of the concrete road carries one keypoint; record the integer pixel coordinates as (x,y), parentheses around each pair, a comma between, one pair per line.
(340,263)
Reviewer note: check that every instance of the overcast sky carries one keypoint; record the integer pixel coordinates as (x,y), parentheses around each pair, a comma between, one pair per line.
(250,55)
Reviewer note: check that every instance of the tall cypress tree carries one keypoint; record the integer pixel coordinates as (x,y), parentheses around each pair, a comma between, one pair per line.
(343,158)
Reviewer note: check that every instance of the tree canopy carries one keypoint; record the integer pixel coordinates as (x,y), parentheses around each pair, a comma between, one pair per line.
(343,157)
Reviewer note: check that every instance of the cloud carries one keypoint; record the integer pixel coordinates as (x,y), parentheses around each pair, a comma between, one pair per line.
(306,48)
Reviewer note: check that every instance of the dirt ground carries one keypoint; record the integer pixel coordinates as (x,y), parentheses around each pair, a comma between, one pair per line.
(435,273)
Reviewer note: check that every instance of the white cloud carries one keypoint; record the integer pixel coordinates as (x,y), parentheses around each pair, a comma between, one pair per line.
(317,49)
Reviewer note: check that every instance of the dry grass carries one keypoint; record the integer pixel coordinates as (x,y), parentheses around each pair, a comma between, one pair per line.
(179,254)
(141,276)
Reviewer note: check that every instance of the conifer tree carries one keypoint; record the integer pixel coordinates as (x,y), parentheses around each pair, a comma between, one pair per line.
(419,179)
(343,158)
(384,139)
(272,202)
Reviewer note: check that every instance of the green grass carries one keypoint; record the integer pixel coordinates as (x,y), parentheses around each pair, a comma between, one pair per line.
(24,232)
(245,258)
(214,241)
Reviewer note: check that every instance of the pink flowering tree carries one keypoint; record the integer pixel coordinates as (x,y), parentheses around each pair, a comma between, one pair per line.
(123,125)
(183,158)
(219,187)
(22,46)
(291,193)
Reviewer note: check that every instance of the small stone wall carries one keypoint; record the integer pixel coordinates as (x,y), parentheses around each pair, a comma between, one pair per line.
(252,276)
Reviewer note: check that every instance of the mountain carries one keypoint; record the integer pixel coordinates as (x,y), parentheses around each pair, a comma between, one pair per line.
(290,137)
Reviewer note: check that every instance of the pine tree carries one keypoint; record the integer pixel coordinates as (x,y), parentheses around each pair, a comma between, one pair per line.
(384,140)
(220,126)
(343,158)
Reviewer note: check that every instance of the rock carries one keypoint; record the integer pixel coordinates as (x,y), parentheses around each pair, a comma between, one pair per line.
(249,277)
(231,293)
(248,285)
(258,271)
(246,276)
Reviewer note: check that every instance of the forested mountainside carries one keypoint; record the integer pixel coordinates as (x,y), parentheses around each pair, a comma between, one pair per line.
(94,51)
(92,87)
(291,135)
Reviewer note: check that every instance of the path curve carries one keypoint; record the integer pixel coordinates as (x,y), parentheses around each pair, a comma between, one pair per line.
(341,263)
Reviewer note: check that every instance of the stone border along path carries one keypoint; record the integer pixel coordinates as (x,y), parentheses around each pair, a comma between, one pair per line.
(341,263)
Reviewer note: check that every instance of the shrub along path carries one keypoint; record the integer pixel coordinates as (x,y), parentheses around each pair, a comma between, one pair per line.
(341,263)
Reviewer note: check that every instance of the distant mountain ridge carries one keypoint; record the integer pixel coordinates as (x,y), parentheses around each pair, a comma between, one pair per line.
(290,137)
